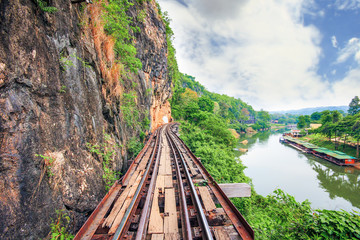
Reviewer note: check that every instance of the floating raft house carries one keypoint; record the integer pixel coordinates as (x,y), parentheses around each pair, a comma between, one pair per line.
(336,157)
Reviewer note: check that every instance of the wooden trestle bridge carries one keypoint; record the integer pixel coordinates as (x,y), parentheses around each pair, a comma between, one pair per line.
(166,194)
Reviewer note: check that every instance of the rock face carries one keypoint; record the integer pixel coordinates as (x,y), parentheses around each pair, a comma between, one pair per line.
(56,96)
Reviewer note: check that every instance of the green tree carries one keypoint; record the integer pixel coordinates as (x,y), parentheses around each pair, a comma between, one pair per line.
(206,104)
(356,134)
(326,117)
(190,109)
(336,116)
(264,116)
(354,106)
(303,121)
(344,128)
(327,129)
(307,120)
(315,116)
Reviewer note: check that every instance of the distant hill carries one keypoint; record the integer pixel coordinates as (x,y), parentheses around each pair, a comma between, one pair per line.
(309,111)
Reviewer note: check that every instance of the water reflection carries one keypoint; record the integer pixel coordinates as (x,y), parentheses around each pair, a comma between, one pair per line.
(338,182)
(272,165)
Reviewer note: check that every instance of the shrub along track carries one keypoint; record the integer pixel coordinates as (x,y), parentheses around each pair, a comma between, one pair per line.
(166,194)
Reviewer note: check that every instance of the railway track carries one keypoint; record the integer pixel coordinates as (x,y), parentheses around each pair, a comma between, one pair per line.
(166,194)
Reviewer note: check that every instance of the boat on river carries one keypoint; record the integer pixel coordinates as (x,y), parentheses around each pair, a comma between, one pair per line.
(337,157)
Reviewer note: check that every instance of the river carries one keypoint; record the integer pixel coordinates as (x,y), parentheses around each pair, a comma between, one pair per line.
(273,165)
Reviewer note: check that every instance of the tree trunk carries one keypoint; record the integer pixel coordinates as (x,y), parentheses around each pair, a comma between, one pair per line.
(344,142)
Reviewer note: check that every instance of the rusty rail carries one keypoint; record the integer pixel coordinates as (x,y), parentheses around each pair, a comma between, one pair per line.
(136,218)
(157,151)
(241,225)
(203,221)
(185,214)
(92,223)
(145,213)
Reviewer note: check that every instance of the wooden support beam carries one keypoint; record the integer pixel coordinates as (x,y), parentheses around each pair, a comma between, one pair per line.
(236,189)
(220,233)
(157,236)
(156,223)
(120,201)
(170,215)
(209,204)
(126,204)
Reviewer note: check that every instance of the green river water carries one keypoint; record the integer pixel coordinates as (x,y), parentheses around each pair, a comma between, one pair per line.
(273,165)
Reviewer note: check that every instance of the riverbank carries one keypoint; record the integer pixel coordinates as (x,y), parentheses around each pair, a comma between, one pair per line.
(300,177)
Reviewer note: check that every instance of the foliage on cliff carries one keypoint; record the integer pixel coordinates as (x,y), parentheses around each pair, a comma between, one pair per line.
(119,25)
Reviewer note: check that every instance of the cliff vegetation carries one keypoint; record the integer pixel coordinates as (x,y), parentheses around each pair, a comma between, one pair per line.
(81,86)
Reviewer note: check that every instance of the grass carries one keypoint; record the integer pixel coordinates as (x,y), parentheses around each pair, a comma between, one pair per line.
(44,7)
(106,151)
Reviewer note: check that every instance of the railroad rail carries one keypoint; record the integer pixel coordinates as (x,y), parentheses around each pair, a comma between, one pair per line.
(166,194)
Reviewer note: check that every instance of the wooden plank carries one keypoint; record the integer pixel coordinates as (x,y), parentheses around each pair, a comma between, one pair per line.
(170,215)
(99,212)
(146,155)
(168,169)
(124,207)
(156,222)
(165,161)
(236,189)
(168,181)
(157,237)
(120,201)
(209,204)
(166,154)
(144,161)
(221,234)
(172,236)
(190,164)
(162,164)
(160,183)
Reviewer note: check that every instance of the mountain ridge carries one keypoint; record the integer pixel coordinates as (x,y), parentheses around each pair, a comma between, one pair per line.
(309,111)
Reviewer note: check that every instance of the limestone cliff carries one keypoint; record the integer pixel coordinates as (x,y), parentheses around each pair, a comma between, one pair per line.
(62,89)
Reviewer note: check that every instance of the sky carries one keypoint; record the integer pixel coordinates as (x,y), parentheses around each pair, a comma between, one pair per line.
(272,54)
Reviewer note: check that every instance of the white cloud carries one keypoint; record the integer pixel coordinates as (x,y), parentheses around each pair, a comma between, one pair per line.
(352,48)
(321,13)
(259,51)
(334,41)
(348,87)
(347,4)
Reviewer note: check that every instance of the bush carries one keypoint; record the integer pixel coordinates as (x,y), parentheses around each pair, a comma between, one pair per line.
(119,25)
(216,153)
(59,226)
(134,146)
(280,216)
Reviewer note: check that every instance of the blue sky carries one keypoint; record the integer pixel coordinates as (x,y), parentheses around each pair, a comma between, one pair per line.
(273,54)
